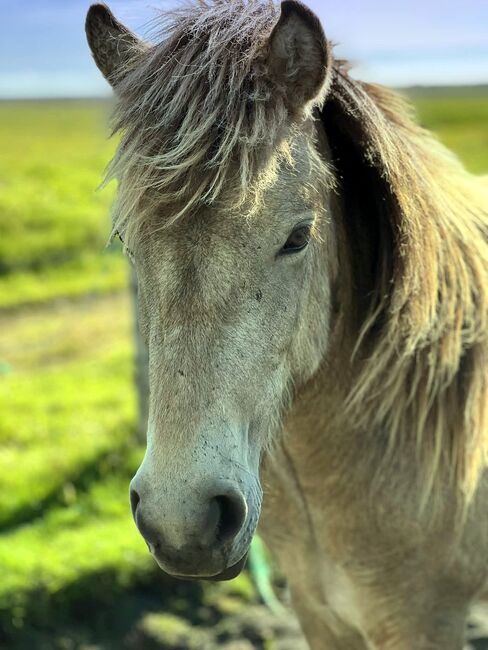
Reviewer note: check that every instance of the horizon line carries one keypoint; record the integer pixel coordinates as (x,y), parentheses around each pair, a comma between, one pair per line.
(483,85)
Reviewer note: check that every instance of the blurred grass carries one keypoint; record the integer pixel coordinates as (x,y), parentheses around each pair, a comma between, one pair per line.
(461,123)
(67,413)
(67,403)
(66,397)
(53,223)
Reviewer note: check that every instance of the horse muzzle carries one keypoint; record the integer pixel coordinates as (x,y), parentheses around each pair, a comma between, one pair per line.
(207,538)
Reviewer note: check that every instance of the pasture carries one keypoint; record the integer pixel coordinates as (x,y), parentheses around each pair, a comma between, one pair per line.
(74,571)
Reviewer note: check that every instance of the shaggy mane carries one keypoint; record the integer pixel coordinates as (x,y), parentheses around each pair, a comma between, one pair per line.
(422,356)
(200,114)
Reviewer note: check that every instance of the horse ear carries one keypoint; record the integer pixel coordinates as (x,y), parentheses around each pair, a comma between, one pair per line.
(111,43)
(299,54)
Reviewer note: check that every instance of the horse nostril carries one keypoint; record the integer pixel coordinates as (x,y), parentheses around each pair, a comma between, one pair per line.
(232,511)
(134,501)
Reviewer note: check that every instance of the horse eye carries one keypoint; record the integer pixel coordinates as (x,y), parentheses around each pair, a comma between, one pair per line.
(298,240)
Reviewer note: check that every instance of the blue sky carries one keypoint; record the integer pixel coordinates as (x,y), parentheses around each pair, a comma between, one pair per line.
(43,52)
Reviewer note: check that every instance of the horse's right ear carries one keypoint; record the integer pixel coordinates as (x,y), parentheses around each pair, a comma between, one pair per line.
(111,43)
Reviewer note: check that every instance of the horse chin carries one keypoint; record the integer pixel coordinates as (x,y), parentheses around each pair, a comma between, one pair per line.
(230,573)
(227,574)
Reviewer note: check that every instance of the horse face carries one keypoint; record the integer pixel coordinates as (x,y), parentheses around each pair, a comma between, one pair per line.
(232,301)
(231,308)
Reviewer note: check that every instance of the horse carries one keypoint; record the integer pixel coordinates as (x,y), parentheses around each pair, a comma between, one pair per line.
(313,292)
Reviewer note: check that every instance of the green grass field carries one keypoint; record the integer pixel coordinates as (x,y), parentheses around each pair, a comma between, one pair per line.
(72,563)
(461,122)
(54,225)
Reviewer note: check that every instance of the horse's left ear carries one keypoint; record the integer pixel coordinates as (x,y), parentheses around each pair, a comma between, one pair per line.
(299,55)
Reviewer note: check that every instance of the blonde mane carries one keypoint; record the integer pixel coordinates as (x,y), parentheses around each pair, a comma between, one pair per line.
(200,113)
(423,376)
